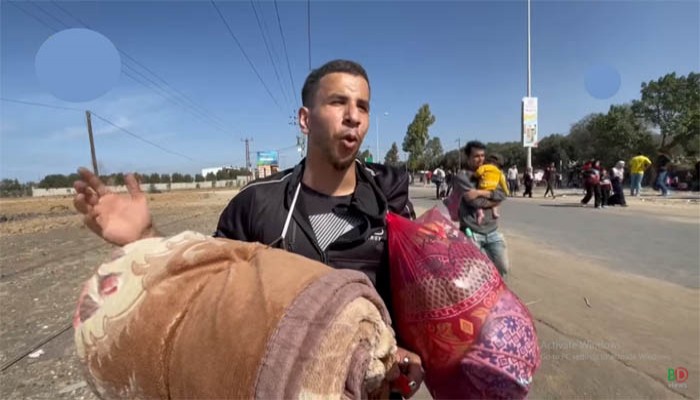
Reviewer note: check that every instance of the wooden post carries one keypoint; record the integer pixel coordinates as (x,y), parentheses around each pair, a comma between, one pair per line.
(92,144)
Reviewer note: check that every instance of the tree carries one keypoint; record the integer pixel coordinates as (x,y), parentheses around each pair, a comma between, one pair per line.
(673,105)
(553,149)
(450,160)
(620,134)
(198,178)
(512,153)
(187,178)
(119,179)
(177,177)
(365,155)
(165,178)
(211,177)
(55,181)
(417,136)
(154,178)
(392,156)
(11,188)
(433,153)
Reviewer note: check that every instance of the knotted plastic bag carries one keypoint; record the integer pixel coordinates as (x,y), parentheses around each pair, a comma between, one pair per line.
(475,337)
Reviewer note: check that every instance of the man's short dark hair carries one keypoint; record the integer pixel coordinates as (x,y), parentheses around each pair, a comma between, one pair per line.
(311,83)
(474,144)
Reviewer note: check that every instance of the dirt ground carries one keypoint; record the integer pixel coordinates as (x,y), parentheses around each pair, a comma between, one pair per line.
(45,255)
(603,334)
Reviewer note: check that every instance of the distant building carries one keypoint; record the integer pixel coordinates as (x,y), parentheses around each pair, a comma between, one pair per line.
(214,170)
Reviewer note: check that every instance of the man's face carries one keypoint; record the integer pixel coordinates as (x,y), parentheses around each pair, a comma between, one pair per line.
(476,158)
(338,119)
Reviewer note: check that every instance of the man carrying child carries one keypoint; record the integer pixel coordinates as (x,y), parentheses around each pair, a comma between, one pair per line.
(474,200)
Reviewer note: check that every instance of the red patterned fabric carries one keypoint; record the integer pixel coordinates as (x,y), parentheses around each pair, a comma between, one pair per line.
(476,339)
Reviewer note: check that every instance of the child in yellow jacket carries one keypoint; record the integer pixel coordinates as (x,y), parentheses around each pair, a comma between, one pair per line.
(491,177)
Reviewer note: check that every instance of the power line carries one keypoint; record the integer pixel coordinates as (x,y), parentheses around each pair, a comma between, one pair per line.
(49,14)
(286,55)
(269,53)
(171,99)
(278,61)
(139,137)
(192,106)
(31,103)
(51,28)
(244,53)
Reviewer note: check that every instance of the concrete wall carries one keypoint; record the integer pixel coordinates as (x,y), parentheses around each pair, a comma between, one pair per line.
(147,187)
(36,192)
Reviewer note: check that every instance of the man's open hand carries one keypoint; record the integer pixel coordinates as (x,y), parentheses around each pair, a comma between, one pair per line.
(119,219)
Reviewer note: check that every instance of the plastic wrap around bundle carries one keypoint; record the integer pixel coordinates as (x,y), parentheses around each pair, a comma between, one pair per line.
(475,337)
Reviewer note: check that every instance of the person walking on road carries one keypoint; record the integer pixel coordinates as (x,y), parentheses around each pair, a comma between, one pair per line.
(618,176)
(439,180)
(662,164)
(591,182)
(512,177)
(638,164)
(550,177)
(605,188)
(485,235)
(528,181)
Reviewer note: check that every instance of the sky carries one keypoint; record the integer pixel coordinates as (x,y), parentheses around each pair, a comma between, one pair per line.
(466,59)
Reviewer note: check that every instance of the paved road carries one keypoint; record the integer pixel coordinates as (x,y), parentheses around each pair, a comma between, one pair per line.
(623,239)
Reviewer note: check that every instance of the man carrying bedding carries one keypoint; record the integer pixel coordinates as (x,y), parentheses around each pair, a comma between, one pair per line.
(330,207)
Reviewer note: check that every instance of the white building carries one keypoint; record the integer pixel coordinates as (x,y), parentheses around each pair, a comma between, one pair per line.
(214,170)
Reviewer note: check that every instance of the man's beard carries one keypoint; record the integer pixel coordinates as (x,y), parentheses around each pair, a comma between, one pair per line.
(342,165)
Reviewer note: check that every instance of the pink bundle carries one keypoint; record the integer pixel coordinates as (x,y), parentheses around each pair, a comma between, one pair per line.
(475,337)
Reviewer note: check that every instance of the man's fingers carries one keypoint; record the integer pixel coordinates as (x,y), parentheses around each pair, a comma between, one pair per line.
(93,181)
(93,225)
(80,203)
(79,186)
(91,198)
(132,185)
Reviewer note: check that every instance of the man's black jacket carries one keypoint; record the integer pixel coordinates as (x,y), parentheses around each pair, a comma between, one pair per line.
(259,212)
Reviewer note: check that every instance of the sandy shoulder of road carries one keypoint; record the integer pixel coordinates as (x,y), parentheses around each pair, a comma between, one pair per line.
(605,334)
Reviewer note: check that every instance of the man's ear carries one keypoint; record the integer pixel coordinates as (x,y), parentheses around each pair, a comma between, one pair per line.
(304,114)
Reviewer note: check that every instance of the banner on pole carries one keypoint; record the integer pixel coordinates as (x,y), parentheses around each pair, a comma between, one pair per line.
(529,121)
(270,158)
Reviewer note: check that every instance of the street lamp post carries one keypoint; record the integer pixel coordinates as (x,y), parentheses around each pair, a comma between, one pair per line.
(385,114)
(529,87)
(459,155)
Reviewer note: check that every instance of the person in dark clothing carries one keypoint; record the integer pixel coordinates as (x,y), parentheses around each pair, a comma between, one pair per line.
(528,181)
(591,182)
(331,207)
(662,164)
(605,188)
(448,182)
(618,176)
(550,177)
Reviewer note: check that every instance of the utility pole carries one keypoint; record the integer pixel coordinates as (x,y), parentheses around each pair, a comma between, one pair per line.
(92,143)
(247,154)
(459,155)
